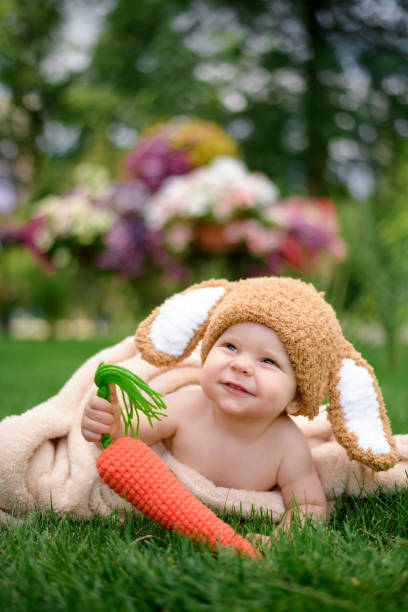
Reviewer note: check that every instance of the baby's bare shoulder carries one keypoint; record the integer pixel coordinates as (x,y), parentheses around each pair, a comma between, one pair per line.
(185,399)
(285,431)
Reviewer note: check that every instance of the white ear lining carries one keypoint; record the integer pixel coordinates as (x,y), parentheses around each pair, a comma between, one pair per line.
(360,407)
(180,317)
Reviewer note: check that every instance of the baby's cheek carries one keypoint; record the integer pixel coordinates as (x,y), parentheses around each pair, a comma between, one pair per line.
(207,381)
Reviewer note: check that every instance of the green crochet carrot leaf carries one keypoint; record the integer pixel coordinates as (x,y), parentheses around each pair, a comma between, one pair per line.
(136,395)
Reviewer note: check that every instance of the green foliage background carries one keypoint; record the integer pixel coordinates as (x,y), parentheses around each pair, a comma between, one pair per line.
(315,92)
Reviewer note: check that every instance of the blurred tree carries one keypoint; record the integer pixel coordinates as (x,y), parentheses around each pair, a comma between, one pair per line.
(140,72)
(387,229)
(27,97)
(316,91)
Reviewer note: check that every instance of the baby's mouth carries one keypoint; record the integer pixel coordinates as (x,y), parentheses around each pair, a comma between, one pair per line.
(236,389)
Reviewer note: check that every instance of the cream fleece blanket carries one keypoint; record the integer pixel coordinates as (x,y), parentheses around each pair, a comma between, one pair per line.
(45,462)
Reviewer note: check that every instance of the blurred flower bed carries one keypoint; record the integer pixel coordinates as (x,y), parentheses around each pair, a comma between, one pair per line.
(175,148)
(225,209)
(184,208)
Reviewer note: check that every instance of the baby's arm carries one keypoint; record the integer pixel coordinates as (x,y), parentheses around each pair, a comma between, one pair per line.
(104,417)
(300,485)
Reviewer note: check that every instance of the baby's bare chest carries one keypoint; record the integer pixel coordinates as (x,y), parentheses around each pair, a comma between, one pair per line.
(226,462)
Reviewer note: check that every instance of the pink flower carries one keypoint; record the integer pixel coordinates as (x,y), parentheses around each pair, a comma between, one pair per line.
(258,238)
(236,199)
(179,235)
(312,228)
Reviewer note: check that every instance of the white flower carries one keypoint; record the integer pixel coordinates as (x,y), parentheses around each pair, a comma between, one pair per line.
(219,189)
(72,216)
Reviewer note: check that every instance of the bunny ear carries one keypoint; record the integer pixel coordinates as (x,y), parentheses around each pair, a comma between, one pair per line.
(174,329)
(357,413)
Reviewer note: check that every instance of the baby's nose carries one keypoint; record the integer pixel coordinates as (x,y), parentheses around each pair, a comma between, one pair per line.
(242,364)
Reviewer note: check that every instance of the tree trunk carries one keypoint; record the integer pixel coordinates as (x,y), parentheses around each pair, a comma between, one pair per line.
(314,101)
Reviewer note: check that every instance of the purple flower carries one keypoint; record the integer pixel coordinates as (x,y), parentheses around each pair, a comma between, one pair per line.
(160,255)
(313,236)
(176,271)
(129,197)
(154,159)
(27,235)
(273,265)
(126,245)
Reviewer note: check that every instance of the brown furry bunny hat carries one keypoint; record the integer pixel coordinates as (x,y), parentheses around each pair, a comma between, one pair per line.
(325,364)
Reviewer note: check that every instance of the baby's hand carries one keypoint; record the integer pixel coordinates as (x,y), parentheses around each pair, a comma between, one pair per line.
(259,541)
(102,417)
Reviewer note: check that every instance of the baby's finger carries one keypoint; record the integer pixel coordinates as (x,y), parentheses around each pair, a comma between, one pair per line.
(90,424)
(113,398)
(90,436)
(99,403)
(260,541)
(100,416)
(96,427)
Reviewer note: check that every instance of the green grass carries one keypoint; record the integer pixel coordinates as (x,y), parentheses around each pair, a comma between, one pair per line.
(358,561)
(31,371)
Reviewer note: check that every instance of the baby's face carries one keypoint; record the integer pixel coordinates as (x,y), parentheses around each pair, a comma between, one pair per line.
(248,372)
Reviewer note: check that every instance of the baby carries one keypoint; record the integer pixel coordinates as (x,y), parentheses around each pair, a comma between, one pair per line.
(248,389)
(270,348)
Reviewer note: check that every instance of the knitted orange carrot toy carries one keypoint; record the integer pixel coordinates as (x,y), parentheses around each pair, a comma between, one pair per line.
(134,471)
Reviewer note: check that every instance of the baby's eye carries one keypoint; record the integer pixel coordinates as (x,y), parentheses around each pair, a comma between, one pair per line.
(230,347)
(269,361)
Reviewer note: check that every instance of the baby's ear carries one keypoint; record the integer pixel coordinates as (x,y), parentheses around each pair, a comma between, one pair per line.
(295,406)
(357,413)
(174,329)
